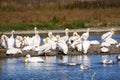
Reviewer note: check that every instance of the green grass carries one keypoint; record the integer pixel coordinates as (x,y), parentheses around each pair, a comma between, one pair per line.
(50,25)
(44,26)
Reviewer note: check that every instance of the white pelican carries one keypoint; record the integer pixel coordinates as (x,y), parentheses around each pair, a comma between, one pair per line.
(62,46)
(72,64)
(84,67)
(94,42)
(29,59)
(51,36)
(74,37)
(118,45)
(85,35)
(4,41)
(77,44)
(104,49)
(36,38)
(86,46)
(47,46)
(18,41)
(11,40)
(106,61)
(13,51)
(27,48)
(66,37)
(107,35)
(105,44)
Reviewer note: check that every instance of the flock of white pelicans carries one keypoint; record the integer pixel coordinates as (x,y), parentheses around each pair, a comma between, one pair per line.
(55,42)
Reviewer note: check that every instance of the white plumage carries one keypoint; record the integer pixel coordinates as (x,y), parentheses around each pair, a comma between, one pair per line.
(13,51)
(62,46)
(29,59)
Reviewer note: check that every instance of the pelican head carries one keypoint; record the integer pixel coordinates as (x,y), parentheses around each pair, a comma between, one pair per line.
(28,56)
(46,41)
(67,30)
(49,33)
(113,30)
(75,34)
(13,31)
(37,32)
(88,29)
(58,37)
(35,28)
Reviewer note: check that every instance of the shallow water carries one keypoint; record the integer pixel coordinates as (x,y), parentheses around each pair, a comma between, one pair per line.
(57,68)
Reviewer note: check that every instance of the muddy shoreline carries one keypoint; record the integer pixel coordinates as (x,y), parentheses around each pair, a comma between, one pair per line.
(94,49)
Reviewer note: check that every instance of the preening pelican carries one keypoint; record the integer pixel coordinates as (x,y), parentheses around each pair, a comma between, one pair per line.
(74,37)
(29,59)
(62,46)
(77,44)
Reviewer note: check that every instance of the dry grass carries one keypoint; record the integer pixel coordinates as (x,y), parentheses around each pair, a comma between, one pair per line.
(92,15)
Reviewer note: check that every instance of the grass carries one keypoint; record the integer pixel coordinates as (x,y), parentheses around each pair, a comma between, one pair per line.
(54,16)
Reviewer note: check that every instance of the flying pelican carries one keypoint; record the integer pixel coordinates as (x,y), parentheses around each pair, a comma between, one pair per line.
(29,59)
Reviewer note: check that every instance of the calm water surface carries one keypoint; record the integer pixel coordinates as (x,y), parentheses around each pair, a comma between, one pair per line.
(57,68)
